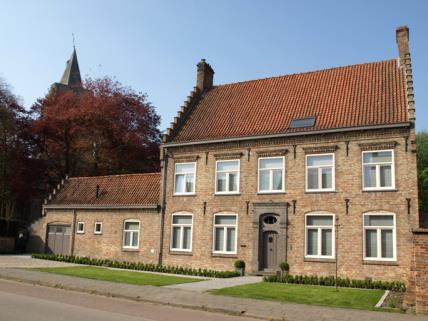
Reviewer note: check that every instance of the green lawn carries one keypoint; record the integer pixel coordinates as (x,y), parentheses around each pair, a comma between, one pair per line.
(306,294)
(130,277)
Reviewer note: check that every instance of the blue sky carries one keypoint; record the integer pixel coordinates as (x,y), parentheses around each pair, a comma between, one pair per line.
(153,46)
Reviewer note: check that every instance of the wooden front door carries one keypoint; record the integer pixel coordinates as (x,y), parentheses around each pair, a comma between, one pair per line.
(58,239)
(270,250)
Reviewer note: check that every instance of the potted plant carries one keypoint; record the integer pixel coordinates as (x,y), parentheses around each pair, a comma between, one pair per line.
(240,267)
(285,268)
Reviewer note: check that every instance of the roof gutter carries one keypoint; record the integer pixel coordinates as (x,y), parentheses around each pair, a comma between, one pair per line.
(100,207)
(315,132)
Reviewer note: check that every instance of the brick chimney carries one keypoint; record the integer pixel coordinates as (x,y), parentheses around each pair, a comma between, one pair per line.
(402,35)
(204,76)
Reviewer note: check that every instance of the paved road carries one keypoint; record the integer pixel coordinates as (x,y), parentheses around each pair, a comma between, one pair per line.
(23,302)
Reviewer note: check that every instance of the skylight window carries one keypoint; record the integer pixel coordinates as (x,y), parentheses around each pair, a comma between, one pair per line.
(302,122)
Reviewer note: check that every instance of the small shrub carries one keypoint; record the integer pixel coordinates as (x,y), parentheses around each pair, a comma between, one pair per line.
(239,264)
(284,266)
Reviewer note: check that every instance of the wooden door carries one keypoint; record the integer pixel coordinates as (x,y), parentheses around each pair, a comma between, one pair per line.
(270,250)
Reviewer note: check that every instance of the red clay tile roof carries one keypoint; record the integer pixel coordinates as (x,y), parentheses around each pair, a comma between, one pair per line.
(128,189)
(351,96)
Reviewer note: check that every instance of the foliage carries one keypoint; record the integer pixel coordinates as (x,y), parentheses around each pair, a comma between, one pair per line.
(284,266)
(135,265)
(129,277)
(422,156)
(341,282)
(306,294)
(239,264)
(104,129)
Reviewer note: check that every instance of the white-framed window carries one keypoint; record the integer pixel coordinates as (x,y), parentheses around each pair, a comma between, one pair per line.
(320,173)
(80,227)
(319,235)
(227,176)
(131,234)
(225,233)
(379,236)
(184,178)
(98,228)
(271,174)
(378,170)
(181,231)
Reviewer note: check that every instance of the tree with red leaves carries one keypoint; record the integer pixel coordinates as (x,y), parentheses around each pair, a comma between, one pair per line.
(105,128)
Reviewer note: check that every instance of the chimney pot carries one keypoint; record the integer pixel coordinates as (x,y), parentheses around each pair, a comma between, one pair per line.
(204,75)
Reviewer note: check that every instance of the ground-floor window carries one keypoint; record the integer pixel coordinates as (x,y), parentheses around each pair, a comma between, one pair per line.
(181,239)
(98,228)
(225,233)
(80,227)
(319,236)
(379,236)
(131,234)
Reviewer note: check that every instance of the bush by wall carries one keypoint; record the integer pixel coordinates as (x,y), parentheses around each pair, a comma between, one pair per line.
(345,283)
(135,265)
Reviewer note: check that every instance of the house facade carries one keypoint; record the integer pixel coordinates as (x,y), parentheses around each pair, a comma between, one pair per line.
(317,169)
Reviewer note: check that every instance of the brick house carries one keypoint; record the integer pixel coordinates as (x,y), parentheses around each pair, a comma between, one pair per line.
(317,169)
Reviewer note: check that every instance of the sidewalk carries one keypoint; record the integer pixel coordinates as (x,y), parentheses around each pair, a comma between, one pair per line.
(203,301)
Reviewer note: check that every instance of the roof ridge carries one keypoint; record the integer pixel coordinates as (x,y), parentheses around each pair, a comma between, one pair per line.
(114,175)
(306,72)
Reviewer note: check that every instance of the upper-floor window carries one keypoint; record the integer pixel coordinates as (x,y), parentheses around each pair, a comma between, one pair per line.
(379,236)
(225,233)
(131,234)
(319,236)
(227,176)
(80,227)
(320,173)
(271,174)
(181,239)
(378,170)
(184,181)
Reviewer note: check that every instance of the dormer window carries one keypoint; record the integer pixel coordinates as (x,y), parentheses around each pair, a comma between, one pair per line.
(302,122)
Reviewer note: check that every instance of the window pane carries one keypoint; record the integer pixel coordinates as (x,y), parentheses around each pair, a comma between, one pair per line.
(271,163)
(277,179)
(327,177)
(182,219)
(264,180)
(377,157)
(225,219)
(127,241)
(378,220)
(176,234)
(385,176)
(387,245)
(132,226)
(179,183)
(221,182)
(319,220)
(189,183)
(327,242)
(184,168)
(312,178)
(230,240)
(98,227)
(134,239)
(320,160)
(369,176)
(187,234)
(233,182)
(371,243)
(312,242)
(219,239)
(228,166)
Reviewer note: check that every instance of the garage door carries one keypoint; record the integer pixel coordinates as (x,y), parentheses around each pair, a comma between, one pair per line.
(58,241)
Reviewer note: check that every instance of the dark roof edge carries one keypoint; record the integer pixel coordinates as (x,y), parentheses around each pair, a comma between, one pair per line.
(315,132)
(100,206)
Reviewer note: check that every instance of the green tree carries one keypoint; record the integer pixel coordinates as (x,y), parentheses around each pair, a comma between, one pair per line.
(422,156)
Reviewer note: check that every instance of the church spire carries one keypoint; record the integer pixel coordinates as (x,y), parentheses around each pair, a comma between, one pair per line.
(71,76)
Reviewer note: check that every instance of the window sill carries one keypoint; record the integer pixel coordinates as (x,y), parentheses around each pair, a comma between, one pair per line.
(319,260)
(379,190)
(271,193)
(227,194)
(224,255)
(183,195)
(375,262)
(130,250)
(320,192)
(173,252)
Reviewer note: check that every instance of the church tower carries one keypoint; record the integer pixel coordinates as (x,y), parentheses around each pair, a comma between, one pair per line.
(71,79)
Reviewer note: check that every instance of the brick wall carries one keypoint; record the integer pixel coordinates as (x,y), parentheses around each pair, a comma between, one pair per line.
(348,186)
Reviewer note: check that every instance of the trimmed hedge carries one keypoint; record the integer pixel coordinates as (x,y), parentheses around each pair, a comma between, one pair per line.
(331,281)
(135,266)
